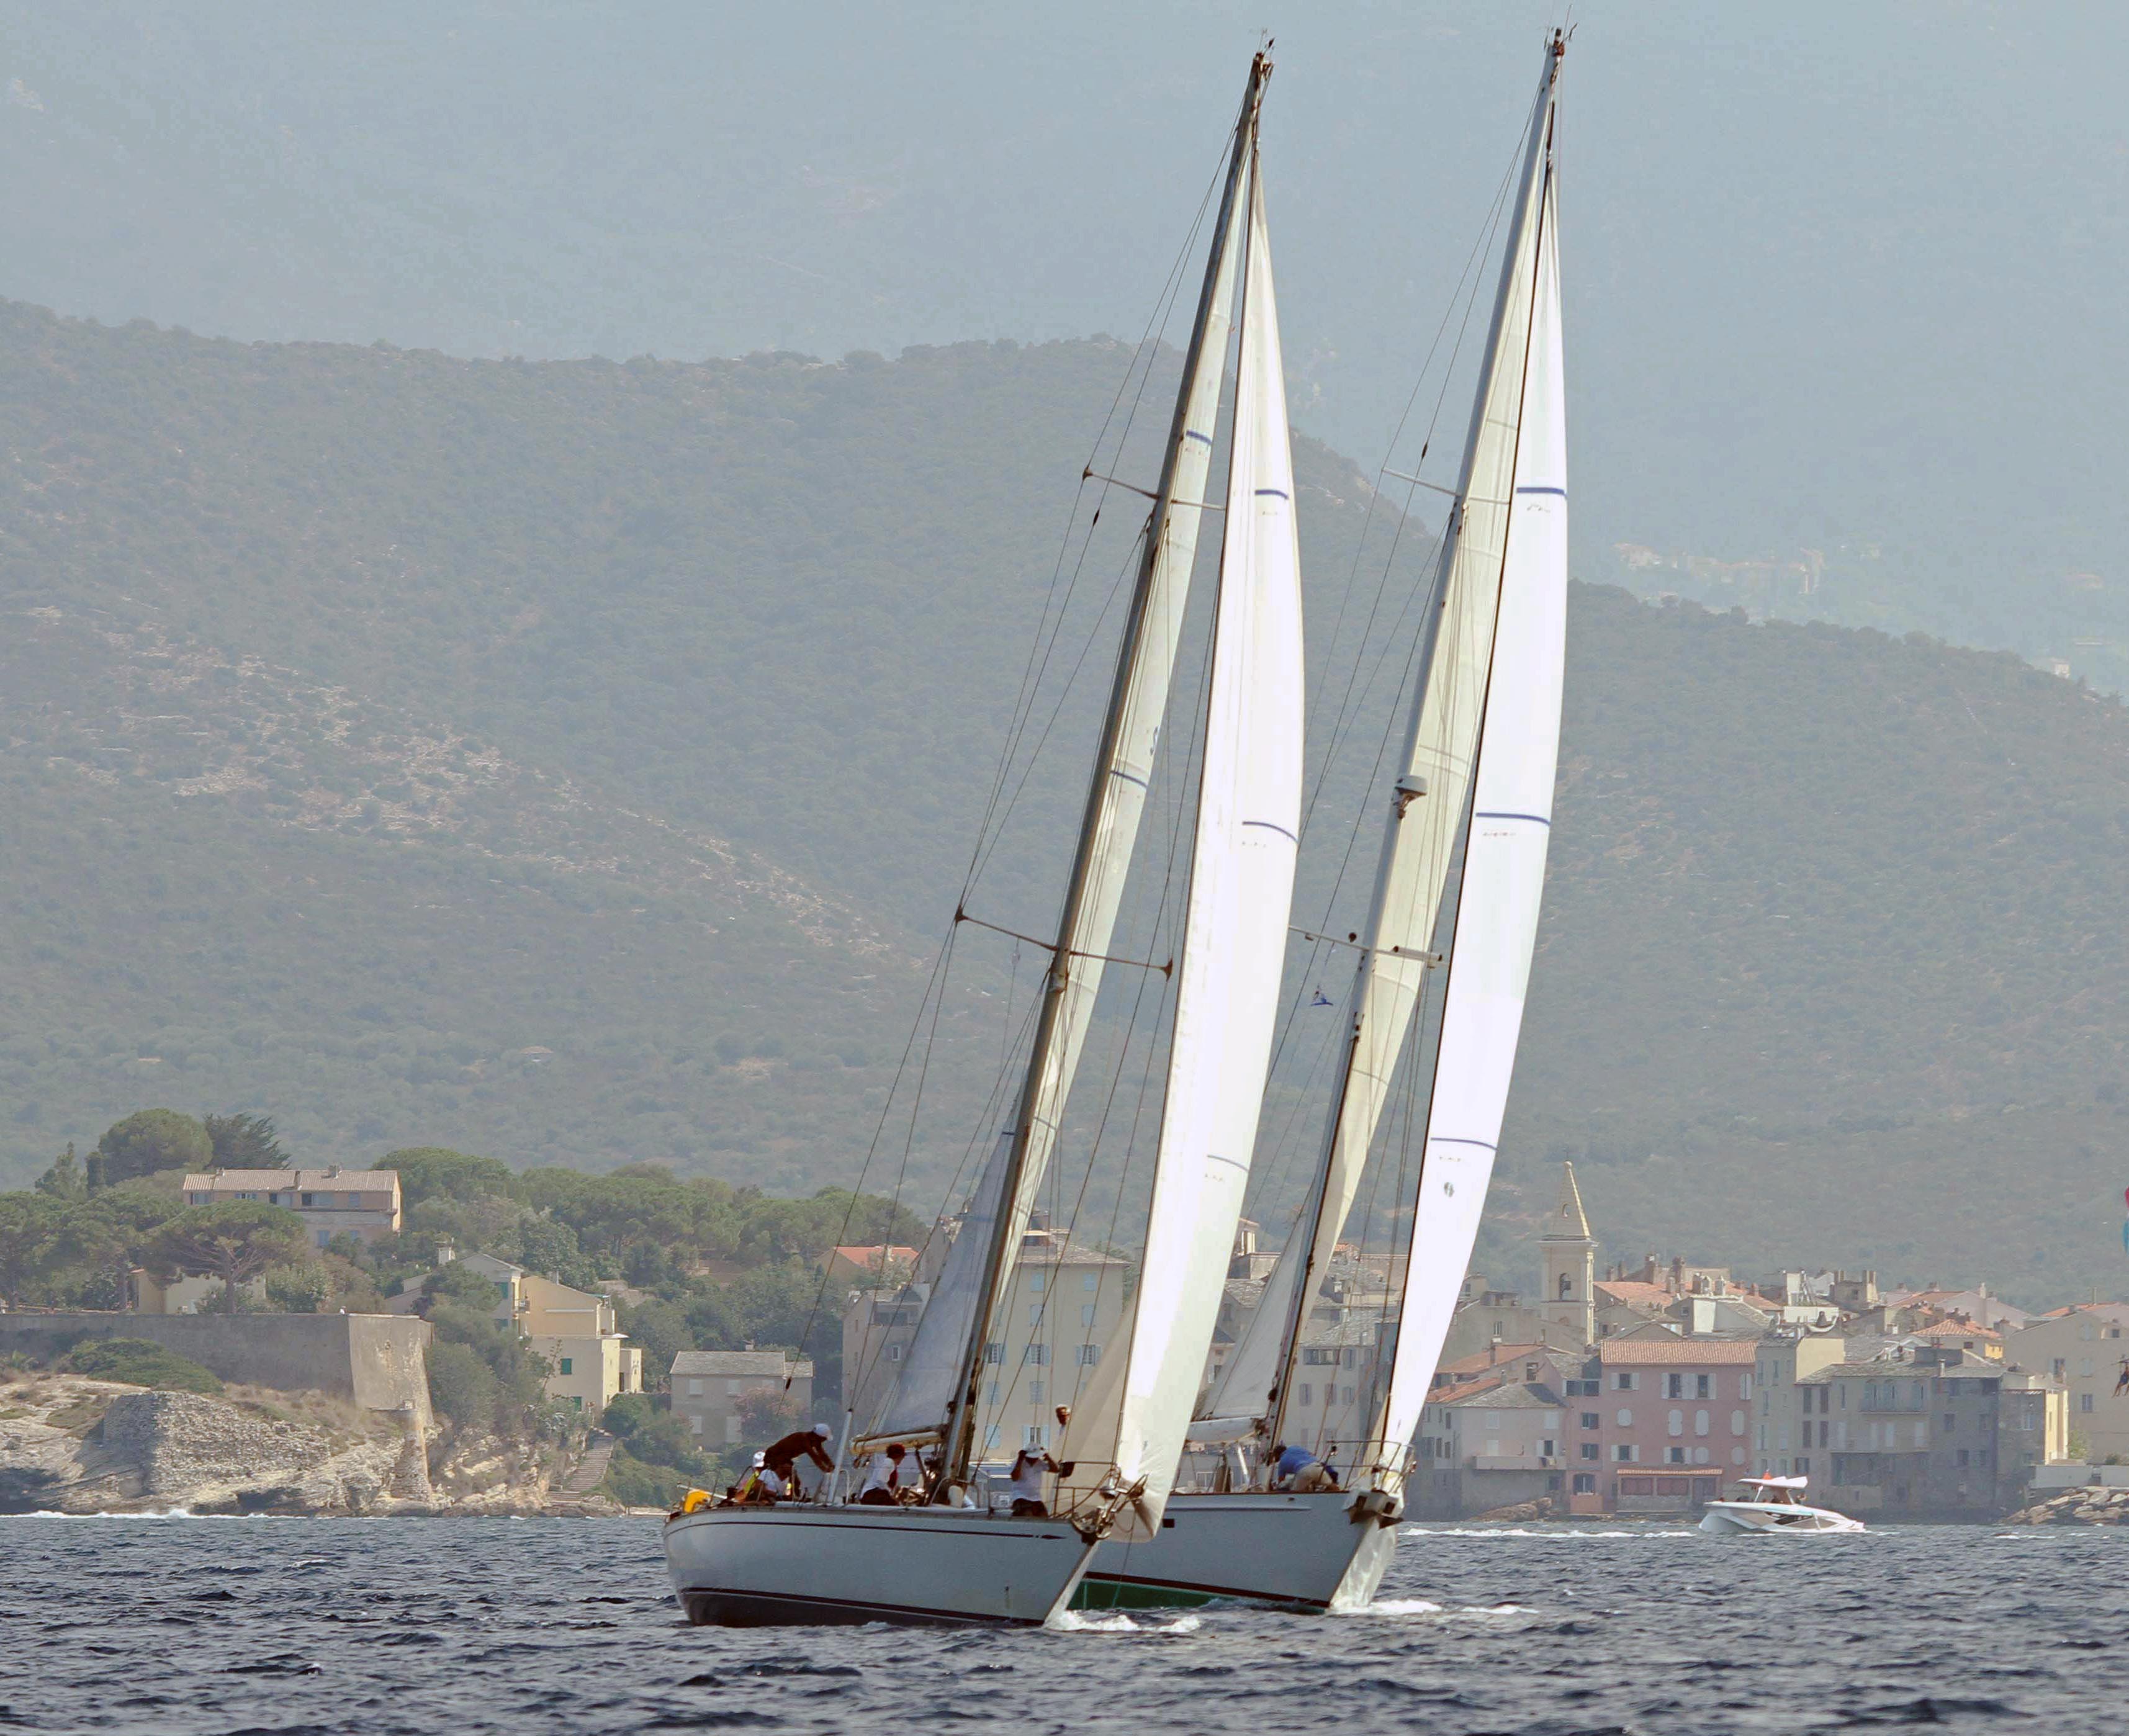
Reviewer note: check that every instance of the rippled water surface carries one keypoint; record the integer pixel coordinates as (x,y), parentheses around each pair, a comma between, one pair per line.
(456,1626)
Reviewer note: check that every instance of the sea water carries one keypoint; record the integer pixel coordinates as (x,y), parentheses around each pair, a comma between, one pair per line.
(176,1625)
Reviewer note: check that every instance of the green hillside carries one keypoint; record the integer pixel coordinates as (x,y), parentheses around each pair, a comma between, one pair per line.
(577,762)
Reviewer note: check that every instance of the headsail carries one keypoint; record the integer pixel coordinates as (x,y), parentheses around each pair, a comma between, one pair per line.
(1503,873)
(1241,889)
(1428,801)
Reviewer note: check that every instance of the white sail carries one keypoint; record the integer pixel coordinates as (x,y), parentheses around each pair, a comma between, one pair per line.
(1241,889)
(1503,880)
(931,1373)
(1129,772)
(1426,810)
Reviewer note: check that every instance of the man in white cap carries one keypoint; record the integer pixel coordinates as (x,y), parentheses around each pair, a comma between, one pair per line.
(781,1458)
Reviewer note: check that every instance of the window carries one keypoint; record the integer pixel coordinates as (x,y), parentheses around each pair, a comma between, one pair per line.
(1035,1392)
(1590,1449)
(1676,1456)
(1087,1315)
(1590,1419)
(324,1238)
(991,1440)
(1803,1467)
(994,1352)
(1745,1385)
(1950,1421)
(694,1389)
(695,1425)
(1584,1483)
(1493,1421)
(1626,1418)
(1674,1385)
(1087,1356)
(1035,1356)
(1320,1359)
(1623,1380)
(569,1365)
(1307,1393)
(1547,1450)
(991,1396)
(2084,1403)
(894,1353)
(1034,1316)
(1736,1422)
(1090,1282)
(1674,1423)
(1035,1283)
(1036,1437)
(1703,1385)
(1623,1453)
(732,1431)
(1960,1457)
(1700,1422)
(310,1199)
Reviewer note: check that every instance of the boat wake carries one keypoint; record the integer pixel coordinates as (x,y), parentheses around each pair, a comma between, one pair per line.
(1074,1621)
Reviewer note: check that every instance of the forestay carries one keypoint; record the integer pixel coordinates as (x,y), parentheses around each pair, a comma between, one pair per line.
(1241,886)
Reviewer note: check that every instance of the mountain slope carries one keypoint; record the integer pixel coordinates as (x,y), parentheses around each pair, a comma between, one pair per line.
(578,761)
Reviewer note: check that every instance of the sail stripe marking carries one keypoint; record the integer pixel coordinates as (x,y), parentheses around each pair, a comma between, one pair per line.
(1280,493)
(1439,1139)
(1542,488)
(1269,827)
(1535,818)
(1191,434)
(1117,771)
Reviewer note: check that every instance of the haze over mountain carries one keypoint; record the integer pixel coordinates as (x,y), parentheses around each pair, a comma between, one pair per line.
(577,762)
(1843,291)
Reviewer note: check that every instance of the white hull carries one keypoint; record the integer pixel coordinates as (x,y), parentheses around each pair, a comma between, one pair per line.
(763,1567)
(1299,1551)
(1767,1519)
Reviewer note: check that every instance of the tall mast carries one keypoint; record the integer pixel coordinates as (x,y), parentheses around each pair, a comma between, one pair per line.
(1440,752)
(1007,1228)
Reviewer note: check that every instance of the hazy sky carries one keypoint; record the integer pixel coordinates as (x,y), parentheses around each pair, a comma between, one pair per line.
(1833,270)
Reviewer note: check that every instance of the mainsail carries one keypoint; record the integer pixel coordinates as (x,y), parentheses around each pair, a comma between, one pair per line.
(1501,549)
(1241,888)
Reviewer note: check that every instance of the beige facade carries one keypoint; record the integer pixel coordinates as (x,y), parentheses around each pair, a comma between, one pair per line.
(2085,1347)
(1065,1307)
(191,1294)
(709,1385)
(1496,1442)
(362,1203)
(1785,1444)
(593,1362)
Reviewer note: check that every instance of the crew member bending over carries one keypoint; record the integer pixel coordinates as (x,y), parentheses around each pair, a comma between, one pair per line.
(1299,1472)
(781,1458)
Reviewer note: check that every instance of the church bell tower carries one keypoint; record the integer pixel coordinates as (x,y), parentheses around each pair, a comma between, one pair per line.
(1569,1305)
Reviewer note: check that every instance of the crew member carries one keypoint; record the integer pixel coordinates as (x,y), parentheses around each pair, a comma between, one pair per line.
(758,1485)
(1299,1472)
(782,1457)
(882,1483)
(1028,1465)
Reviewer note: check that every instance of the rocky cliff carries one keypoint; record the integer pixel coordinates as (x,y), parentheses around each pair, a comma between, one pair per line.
(69,1444)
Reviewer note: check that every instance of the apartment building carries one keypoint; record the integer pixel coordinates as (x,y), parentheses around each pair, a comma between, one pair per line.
(1670,1422)
(2085,1347)
(592,1361)
(710,1389)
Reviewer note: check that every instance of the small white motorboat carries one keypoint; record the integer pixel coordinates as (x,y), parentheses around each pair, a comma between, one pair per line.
(1762,1505)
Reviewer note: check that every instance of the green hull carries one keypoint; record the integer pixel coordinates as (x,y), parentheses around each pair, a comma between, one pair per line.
(1109,1594)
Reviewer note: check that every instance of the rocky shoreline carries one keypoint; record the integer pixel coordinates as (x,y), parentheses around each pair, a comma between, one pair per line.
(74,1445)
(2088,1504)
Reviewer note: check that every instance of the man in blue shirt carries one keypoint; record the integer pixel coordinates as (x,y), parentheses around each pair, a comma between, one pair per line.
(1299,1472)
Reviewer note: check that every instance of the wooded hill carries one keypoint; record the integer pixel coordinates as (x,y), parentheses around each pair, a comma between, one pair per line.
(577,762)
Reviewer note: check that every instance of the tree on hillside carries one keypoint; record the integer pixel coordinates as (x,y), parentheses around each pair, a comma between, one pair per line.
(151,1140)
(29,1228)
(235,1241)
(65,1180)
(244,1142)
(436,1172)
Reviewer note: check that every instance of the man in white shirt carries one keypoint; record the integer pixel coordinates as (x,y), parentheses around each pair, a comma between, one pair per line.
(882,1483)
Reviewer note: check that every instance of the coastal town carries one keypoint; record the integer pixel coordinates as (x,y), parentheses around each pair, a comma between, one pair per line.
(1622,1389)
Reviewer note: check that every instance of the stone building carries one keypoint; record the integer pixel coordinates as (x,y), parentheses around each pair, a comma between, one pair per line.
(362,1203)
(709,1387)
(2085,1347)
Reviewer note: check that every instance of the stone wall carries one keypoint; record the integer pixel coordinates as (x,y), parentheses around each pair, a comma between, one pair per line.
(377,1360)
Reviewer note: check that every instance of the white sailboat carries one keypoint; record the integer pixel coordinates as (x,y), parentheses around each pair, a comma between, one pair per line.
(1473,793)
(743,1564)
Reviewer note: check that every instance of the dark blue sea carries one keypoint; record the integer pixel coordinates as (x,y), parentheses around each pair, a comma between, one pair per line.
(453,1626)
